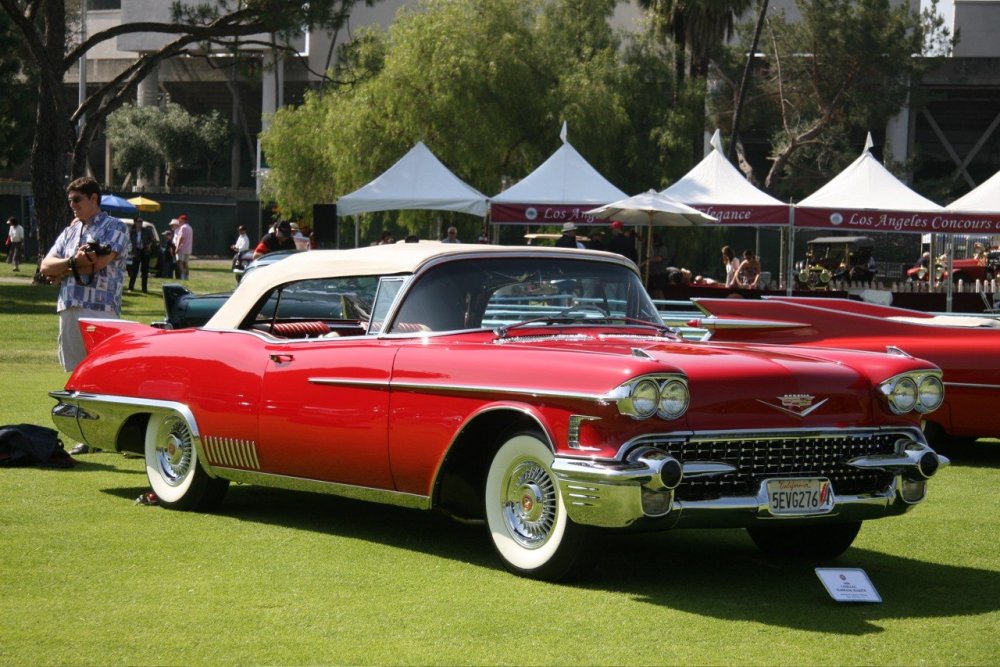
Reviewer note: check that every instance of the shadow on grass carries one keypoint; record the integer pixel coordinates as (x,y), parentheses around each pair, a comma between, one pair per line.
(721,574)
(984,453)
(711,573)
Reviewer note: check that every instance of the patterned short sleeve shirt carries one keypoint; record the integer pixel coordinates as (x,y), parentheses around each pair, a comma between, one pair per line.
(103,290)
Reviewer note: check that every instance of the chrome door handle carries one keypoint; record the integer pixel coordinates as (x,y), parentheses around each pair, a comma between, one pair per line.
(281,358)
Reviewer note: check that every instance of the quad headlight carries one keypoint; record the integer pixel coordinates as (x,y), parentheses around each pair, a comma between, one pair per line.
(921,391)
(665,396)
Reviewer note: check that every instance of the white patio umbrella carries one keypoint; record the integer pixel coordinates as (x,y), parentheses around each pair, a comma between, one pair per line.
(652,209)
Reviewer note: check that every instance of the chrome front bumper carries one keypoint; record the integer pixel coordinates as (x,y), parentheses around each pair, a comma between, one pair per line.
(642,489)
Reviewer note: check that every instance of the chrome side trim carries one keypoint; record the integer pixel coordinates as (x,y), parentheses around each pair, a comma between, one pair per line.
(493,389)
(385,496)
(972,385)
(350,382)
(454,388)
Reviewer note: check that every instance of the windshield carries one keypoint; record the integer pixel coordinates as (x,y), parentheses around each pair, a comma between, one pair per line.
(488,293)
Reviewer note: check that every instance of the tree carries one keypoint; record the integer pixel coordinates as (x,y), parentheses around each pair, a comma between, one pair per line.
(696,30)
(843,69)
(147,138)
(42,25)
(16,109)
(485,84)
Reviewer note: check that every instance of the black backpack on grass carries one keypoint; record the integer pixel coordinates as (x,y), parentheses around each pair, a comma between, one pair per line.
(31,445)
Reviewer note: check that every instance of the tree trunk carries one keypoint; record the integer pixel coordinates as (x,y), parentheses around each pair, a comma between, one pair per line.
(52,139)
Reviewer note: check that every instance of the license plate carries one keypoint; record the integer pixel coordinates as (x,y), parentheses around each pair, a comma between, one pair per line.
(790,497)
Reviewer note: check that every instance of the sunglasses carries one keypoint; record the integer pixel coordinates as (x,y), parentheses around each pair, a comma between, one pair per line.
(76,199)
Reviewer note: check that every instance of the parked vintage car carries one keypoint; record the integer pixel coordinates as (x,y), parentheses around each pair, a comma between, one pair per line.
(835,258)
(183,308)
(533,388)
(968,270)
(966,348)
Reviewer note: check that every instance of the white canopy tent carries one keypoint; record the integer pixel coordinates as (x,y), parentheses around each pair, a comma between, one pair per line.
(984,199)
(557,191)
(417,181)
(866,197)
(714,186)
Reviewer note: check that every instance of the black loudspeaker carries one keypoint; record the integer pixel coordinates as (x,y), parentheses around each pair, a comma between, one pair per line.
(325,226)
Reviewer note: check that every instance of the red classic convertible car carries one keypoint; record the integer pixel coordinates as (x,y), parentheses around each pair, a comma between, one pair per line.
(534,389)
(966,348)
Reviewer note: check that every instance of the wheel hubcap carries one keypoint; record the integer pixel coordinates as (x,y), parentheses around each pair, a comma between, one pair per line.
(530,504)
(174,451)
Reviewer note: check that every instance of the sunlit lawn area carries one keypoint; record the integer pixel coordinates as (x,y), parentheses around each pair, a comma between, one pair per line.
(89,577)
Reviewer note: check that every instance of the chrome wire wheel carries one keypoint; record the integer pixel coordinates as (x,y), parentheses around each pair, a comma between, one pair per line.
(172,466)
(525,514)
(530,503)
(174,449)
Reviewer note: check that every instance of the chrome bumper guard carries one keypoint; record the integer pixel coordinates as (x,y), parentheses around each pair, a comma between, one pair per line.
(640,489)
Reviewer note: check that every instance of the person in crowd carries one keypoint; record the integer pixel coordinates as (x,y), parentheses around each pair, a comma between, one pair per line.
(596,240)
(483,238)
(242,241)
(748,274)
(677,276)
(385,238)
(168,262)
(87,261)
(184,244)
(621,244)
(568,238)
(732,266)
(301,240)
(412,238)
(452,236)
(142,238)
(279,239)
(15,243)
(657,268)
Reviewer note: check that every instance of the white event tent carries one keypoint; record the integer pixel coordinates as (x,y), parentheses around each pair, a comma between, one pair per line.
(417,181)
(556,192)
(866,197)
(984,199)
(714,186)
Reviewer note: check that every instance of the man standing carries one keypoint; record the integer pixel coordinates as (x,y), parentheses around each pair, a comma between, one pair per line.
(15,243)
(620,243)
(452,236)
(568,238)
(183,242)
(87,261)
(142,237)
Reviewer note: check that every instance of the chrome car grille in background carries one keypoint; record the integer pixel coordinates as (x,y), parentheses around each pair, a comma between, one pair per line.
(794,455)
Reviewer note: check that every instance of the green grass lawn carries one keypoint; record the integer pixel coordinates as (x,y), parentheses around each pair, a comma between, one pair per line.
(87,577)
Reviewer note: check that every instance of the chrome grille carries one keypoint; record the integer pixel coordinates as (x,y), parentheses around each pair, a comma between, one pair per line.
(759,457)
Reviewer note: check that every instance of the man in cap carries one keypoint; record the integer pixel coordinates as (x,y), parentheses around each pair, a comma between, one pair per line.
(568,238)
(620,243)
(184,244)
(279,239)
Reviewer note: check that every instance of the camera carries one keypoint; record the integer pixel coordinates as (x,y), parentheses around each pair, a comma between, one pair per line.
(97,248)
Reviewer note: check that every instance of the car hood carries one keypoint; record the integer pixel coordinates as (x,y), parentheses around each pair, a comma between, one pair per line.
(731,385)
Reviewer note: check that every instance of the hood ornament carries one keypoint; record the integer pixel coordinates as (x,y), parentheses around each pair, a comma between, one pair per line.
(797,405)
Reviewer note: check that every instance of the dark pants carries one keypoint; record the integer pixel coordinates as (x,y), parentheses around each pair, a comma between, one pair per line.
(139,264)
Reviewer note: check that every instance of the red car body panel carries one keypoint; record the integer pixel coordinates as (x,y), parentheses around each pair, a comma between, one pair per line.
(969,356)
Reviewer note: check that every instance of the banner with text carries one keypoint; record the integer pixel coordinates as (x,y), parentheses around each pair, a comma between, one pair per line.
(558,214)
(860,220)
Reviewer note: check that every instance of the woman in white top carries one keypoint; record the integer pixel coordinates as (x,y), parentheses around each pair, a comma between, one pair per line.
(732,266)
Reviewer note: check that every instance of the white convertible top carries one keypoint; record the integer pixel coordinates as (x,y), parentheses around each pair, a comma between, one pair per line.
(381,260)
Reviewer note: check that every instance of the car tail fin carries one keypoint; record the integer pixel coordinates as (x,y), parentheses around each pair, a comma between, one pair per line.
(97,331)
